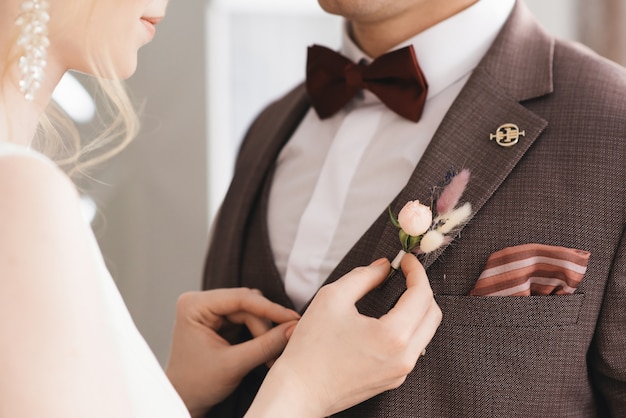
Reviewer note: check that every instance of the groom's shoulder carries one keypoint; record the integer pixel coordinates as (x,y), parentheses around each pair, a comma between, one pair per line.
(577,63)
(280,117)
(279,109)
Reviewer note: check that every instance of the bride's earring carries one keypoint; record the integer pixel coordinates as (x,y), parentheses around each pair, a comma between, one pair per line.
(33,39)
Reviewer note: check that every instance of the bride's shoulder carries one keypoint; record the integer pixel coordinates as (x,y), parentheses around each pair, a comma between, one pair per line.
(32,184)
(37,200)
(44,240)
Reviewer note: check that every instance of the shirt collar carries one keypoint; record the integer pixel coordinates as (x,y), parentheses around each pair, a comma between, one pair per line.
(451,49)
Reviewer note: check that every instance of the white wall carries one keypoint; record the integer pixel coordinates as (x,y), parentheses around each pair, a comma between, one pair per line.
(256,52)
(560,17)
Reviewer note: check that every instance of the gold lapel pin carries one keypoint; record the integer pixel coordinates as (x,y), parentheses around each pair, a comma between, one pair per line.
(507,135)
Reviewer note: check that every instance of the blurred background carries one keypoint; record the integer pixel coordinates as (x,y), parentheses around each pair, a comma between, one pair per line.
(211,68)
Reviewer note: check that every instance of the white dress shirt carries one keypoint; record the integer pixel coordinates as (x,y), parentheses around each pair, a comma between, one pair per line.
(336,176)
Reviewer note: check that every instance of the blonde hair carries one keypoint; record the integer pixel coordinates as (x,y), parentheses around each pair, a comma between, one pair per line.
(117,121)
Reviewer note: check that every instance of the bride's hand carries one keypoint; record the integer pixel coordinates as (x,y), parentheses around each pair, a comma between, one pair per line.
(337,357)
(203,367)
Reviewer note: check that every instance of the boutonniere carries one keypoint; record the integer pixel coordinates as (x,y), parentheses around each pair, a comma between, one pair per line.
(423,229)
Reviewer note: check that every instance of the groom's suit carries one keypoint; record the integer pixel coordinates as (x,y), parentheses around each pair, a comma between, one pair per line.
(563,184)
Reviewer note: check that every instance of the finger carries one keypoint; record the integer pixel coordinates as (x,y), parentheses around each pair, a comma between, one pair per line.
(426,331)
(362,280)
(415,301)
(260,306)
(413,270)
(418,342)
(417,284)
(256,325)
(229,301)
(262,349)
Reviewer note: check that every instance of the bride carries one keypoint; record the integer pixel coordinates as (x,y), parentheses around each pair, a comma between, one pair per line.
(69,346)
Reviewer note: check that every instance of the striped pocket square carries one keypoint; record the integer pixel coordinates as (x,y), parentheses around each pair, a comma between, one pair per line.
(532,270)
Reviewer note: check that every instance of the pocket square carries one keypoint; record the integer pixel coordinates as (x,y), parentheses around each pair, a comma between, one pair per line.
(532,270)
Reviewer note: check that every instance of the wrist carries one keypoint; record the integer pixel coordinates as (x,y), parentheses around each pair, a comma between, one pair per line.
(195,409)
(284,394)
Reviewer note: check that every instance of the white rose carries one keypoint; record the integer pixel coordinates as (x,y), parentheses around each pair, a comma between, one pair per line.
(415,218)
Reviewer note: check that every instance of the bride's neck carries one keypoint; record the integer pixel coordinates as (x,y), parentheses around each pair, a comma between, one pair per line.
(19,117)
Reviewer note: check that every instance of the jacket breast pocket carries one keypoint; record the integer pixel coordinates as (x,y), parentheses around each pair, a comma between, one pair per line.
(510,311)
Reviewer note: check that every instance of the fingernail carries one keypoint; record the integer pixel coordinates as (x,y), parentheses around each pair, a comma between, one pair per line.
(380,262)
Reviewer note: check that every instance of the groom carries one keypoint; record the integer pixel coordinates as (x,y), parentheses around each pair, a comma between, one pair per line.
(541,125)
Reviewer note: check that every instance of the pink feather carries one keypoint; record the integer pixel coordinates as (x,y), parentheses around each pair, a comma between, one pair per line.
(452,193)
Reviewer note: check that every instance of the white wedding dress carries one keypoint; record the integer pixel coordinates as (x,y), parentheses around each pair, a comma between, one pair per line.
(150,393)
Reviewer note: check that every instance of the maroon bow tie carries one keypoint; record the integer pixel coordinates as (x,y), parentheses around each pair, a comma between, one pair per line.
(395,78)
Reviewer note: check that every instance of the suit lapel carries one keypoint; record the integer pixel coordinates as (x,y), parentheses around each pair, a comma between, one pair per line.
(518,67)
(463,141)
(271,131)
(276,124)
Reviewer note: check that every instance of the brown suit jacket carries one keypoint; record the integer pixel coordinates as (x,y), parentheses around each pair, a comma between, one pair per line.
(563,184)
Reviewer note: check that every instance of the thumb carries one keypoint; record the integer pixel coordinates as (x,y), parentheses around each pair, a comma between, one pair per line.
(263,348)
(361,280)
(413,271)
